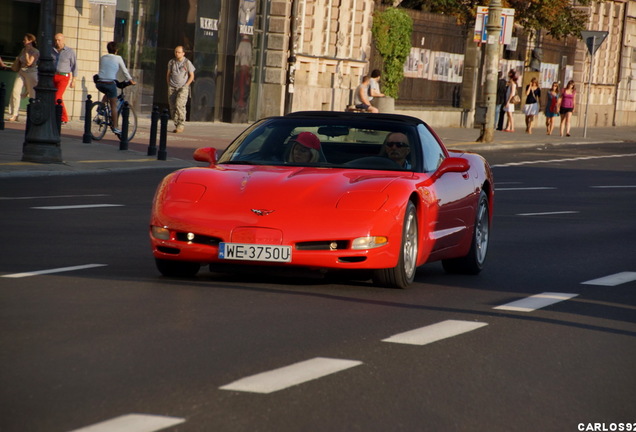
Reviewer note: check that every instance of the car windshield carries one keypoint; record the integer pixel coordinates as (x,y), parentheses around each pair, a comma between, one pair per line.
(327,142)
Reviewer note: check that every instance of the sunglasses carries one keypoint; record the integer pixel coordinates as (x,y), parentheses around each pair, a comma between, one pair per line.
(397,144)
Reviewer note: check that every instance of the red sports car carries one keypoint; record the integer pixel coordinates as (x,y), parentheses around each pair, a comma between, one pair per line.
(327,190)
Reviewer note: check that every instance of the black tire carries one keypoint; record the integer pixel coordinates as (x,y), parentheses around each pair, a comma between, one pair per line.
(99,120)
(132,123)
(403,274)
(172,268)
(473,263)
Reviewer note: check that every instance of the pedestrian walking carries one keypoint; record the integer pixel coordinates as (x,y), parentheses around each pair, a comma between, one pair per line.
(551,107)
(566,107)
(531,107)
(179,77)
(511,99)
(65,71)
(26,65)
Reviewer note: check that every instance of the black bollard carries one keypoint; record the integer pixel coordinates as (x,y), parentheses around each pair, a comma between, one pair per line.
(123,138)
(3,94)
(154,120)
(58,115)
(28,120)
(88,105)
(163,136)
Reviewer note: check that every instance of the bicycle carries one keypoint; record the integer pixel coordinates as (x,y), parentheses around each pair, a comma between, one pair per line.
(101,118)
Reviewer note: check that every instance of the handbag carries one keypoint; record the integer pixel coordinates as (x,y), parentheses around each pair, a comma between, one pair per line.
(15,67)
(515,99)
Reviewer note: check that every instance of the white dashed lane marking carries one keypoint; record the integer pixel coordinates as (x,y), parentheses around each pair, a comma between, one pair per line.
(51,197)
(435,332)
(288,376)
(56,270)
(548,161)
(73,207)
(535,302)
(613,280)
(614,187)
(133,423)
(548,213)
(525,188)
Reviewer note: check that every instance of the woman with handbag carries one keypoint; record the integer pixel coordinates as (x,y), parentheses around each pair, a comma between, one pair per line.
(531,107)
(26,65)
(552,107)
(512,98)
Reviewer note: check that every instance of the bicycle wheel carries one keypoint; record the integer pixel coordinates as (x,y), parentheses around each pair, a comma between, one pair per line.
(100,119)
(132,122)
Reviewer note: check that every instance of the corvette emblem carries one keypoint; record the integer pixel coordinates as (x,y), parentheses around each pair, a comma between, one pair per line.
(262,212)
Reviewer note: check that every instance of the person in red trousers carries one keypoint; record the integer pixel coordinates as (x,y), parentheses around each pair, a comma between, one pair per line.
(65,70)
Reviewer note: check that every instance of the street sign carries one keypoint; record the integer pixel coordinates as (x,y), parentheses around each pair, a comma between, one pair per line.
(103,2)
(593,39)
(481,20)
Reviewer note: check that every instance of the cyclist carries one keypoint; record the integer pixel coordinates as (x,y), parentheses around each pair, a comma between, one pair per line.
(109,66)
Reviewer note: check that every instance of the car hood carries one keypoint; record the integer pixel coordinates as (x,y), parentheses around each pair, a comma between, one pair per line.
(290,186)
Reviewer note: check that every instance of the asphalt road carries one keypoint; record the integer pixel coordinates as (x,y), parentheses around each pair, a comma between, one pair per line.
(99,338)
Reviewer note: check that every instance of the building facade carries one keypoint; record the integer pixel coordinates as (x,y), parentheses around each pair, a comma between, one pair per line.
(252,59)
(257,58)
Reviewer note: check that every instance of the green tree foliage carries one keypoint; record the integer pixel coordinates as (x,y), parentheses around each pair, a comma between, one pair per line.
(559,18)
(392,30)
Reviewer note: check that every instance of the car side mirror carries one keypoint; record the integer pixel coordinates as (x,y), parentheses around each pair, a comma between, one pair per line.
(452,164)
(205,154)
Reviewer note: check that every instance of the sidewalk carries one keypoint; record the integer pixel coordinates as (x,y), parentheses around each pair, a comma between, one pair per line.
(105,156)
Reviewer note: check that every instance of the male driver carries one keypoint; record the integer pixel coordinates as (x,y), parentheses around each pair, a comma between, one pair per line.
(179,77)
(396,147)
(65,70)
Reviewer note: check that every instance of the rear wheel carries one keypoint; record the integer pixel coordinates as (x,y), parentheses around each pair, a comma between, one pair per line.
(172,268)
(99,120)
(402,275)
(474,261)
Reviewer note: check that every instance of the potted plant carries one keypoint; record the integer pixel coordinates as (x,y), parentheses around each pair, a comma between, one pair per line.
(392,29)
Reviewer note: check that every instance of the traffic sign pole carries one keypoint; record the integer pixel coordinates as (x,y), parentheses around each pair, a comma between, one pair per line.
(589,88)
(596,38)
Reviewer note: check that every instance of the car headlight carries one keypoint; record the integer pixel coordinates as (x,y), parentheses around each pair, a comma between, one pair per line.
(369,242)
(160,233)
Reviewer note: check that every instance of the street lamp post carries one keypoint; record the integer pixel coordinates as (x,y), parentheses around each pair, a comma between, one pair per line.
(493,29)
(42,143)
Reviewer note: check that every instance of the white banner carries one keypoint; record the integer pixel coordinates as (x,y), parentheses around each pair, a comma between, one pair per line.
(104,2)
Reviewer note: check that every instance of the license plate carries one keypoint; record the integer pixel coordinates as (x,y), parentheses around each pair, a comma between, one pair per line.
(254,252)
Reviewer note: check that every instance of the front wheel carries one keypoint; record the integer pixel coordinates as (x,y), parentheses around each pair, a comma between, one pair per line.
(132,122)
(99,120)
(474,261)
(403,274)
